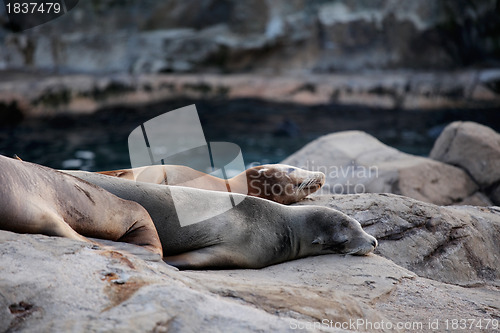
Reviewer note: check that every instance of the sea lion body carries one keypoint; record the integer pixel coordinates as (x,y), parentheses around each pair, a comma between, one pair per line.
(37,199)
(276,182)
(254,234)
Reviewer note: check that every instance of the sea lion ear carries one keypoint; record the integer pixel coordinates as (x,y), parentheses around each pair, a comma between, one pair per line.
(318,240)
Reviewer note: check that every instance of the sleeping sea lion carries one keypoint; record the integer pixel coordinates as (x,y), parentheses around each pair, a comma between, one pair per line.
(254,234)
(37,199)
(281,183)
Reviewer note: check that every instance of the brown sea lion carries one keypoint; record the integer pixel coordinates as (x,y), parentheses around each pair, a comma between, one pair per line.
(37,199)
(281,183)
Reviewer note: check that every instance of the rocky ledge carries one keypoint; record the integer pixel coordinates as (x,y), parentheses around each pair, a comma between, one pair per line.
(26,94)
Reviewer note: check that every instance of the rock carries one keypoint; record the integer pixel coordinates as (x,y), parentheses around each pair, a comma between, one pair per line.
(30,94)
(356,162)
(454,244)
(263,36)
(495,195)
(472,147)
(57,284)
(477,199)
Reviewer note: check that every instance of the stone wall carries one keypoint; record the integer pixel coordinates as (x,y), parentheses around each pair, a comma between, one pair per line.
(235,36)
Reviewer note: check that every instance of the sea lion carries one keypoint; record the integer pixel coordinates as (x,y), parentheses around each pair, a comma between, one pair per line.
(281,183)
(37,199)
(254,234)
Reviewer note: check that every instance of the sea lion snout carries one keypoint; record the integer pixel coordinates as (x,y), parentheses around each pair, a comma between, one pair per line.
(363,246)
(321,178)
(281,183)
(312,181)
(342,234)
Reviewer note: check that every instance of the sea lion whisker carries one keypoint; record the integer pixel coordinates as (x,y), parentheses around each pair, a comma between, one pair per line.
(307,183)
(302,185)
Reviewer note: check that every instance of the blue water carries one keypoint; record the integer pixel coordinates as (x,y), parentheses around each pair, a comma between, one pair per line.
(266,132)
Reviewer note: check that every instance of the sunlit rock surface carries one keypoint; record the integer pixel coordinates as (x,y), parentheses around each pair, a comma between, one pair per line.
(56,284)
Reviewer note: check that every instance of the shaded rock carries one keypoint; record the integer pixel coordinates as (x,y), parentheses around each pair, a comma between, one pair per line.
(454,244)
(477,199)
(356,162)
(472,147)
(495,195)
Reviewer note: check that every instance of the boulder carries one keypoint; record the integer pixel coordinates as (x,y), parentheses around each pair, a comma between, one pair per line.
(356,162)
(454,244)
(472,147)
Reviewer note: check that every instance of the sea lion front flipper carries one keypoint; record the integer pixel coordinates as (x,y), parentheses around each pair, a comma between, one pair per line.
(129,248)
(209,257)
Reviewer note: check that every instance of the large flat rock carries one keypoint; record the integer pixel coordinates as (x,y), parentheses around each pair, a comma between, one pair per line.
(57,284)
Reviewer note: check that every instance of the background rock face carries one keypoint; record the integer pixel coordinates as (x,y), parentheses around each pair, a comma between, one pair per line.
(355,162)
(231,35)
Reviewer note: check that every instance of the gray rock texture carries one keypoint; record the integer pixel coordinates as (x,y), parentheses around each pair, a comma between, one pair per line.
(356,162)
(454,244)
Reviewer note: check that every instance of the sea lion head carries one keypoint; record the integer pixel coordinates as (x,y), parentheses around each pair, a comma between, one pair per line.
(282,183)
(338,233)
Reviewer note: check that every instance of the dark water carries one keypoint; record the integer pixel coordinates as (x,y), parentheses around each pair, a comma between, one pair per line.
(266,132)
